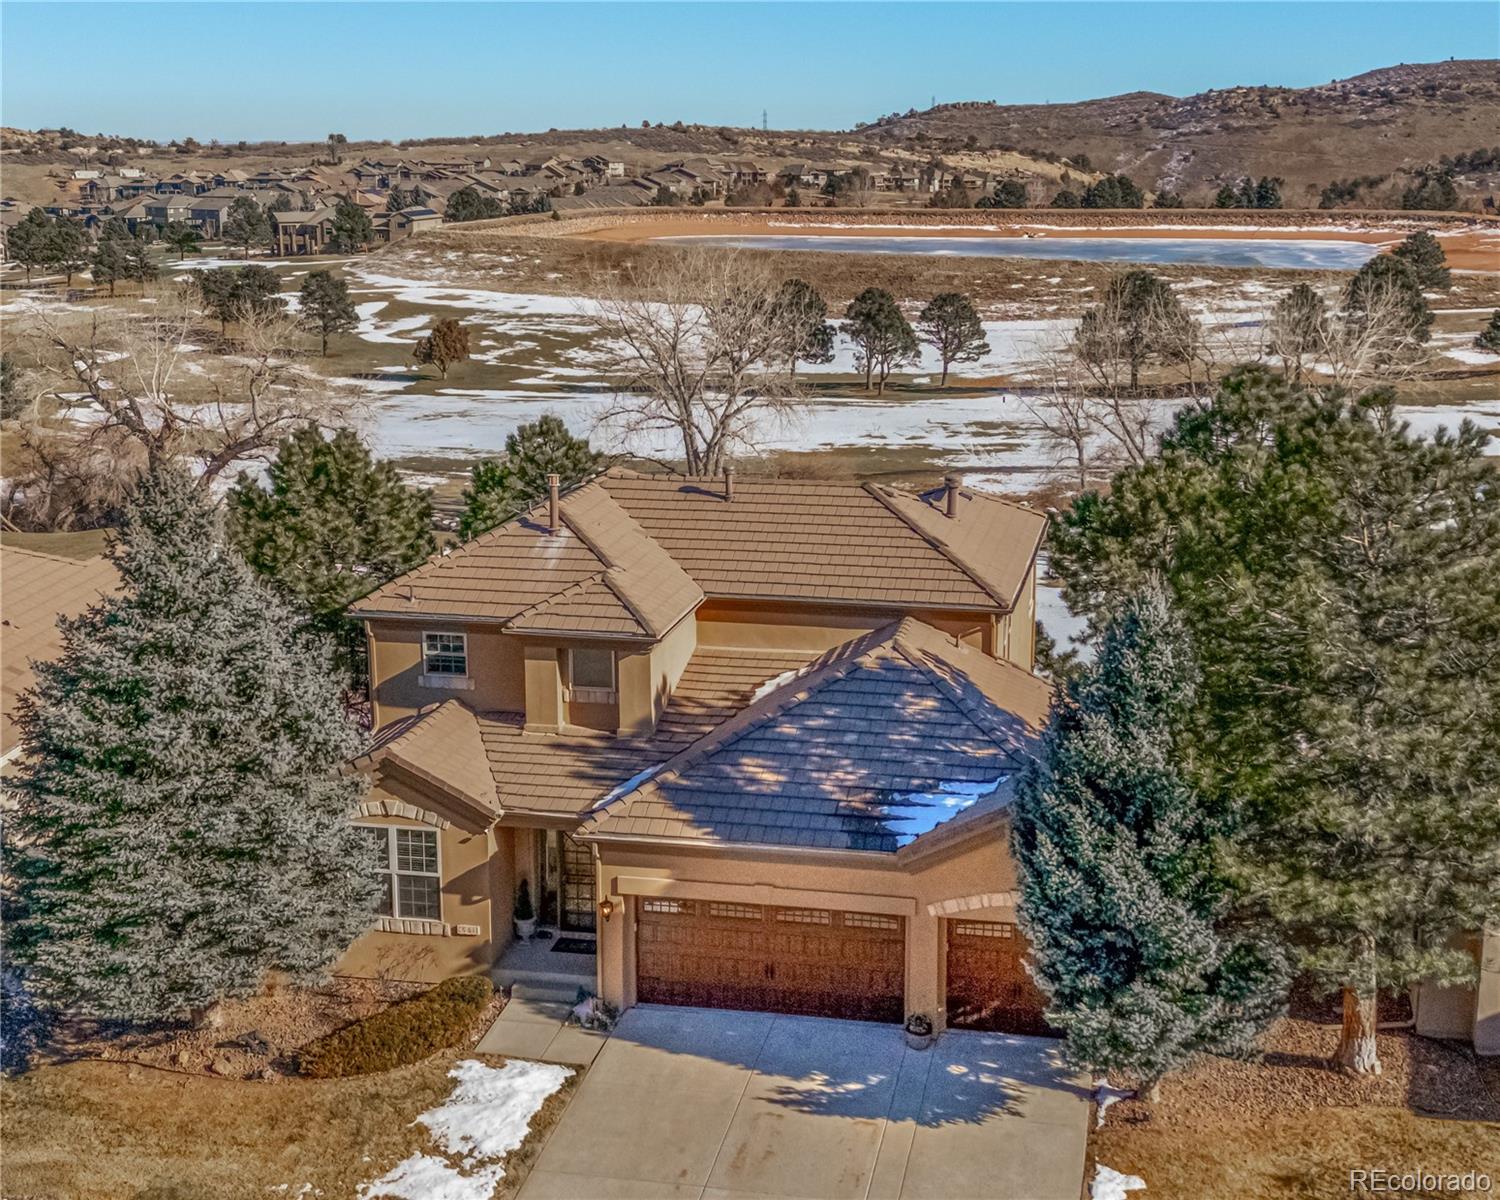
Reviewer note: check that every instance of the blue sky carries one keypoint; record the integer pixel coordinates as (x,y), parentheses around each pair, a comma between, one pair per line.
(282,69)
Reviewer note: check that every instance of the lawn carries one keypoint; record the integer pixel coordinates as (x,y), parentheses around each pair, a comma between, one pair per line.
(97,1130)
(1308,1155)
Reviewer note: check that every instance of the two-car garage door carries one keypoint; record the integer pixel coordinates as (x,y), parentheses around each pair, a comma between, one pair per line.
(814,961)
(826,963)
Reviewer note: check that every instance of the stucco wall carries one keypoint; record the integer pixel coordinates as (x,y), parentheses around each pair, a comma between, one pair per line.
(1470,1012)
(496,669)
(647,678)
(746,625)
(978,881)
(475,900)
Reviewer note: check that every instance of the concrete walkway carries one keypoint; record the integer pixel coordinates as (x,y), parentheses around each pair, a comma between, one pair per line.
(537,1028)
(696,1104)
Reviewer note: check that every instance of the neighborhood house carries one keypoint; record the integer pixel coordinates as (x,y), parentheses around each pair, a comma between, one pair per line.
(746,743)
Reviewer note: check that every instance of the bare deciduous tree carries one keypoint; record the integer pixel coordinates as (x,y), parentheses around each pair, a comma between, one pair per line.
(699,350)
(119,392)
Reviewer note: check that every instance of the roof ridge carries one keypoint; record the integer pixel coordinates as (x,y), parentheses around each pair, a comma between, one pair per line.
(917,656)
(939,545)
(57,558)
(563,593)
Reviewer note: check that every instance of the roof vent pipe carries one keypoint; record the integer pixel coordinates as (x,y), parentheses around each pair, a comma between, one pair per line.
(728,482)
(554,519)
(952,481)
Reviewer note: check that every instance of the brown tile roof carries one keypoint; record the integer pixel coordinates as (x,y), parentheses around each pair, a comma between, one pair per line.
(638,552)
(831,540)
(831,758)
(491,762)
(598,574)
(35,590)
(441,745)
(568,773)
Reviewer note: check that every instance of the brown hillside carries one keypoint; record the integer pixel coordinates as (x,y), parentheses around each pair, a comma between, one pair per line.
(1389,120)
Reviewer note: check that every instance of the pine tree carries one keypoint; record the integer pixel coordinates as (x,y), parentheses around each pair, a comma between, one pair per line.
(810,335)
(448,343)
(1489,336)
(1425,255)
(1337,578)
(182,237)
(325,305)
(1388,289)
(333,525)
(246,224)
(182,827)
(881,334)
(27,242)
(67,248)
(500,488)
(950,324)
(1140,320)
(352,228)
(1121,896)
(111,262)
(1298,328)
(1226,197)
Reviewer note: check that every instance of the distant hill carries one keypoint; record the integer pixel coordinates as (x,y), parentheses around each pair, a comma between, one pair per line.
(1376,128)
(1390,120)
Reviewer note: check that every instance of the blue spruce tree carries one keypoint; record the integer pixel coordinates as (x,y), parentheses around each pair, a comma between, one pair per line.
(1121,894)
(182,826)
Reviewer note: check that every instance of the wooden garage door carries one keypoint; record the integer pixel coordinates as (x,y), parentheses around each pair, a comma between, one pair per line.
(813,961)
(988,986)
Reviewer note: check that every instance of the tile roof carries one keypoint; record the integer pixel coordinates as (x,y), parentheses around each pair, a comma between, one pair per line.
(826,759)
(35,590)
(825,540)
(492,761)
(636,553)
(599,574)
(441,745)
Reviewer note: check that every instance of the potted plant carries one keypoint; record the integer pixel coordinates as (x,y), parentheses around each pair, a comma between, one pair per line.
(919,1031)
(524,915)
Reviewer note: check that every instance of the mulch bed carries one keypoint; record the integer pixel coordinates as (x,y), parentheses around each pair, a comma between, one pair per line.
(1292,1076)
(255,1038)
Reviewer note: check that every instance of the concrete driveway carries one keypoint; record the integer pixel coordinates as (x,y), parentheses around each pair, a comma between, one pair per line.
(700,1104)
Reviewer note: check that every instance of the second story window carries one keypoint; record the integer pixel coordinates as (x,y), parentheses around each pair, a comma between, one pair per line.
(591,675)
(445,660)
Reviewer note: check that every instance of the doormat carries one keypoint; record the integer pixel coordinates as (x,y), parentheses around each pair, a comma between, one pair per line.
(573,945)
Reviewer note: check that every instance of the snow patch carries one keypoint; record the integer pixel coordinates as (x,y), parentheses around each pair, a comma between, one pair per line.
(908,815)
(1110,1184)
(485,1118)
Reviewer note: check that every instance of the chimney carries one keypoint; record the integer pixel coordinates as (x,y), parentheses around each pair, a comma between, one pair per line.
(728,482)
(554,519)
(952,482)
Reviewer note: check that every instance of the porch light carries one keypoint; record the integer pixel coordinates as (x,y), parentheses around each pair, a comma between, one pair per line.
(606,907)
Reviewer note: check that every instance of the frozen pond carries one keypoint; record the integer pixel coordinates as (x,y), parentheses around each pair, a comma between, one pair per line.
(1303,254)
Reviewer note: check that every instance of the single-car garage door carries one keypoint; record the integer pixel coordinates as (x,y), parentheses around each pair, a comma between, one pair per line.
(988,985)
(818,962)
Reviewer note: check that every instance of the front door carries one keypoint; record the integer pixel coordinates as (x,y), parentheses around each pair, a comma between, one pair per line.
(577,886)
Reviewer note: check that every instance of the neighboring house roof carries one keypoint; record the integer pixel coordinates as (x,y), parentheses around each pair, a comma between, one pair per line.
(867,748)
(36,590)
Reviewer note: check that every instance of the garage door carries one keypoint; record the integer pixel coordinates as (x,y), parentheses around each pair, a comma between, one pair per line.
(988,985)
(814,961)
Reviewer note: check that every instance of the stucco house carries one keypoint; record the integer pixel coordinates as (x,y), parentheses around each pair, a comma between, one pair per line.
(749,743)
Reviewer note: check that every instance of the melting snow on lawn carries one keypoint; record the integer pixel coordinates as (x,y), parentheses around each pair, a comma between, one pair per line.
(485,1118)
(908,815)
(1110,1184)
